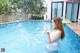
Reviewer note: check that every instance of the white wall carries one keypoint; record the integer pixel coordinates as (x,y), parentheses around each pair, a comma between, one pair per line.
(79,14)
(64,10)
(47,16)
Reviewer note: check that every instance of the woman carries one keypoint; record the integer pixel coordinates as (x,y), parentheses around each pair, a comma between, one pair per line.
(55,35)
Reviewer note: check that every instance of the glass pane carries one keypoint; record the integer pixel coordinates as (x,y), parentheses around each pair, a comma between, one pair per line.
(69,10)
(59,13)
(74,12)
(54,9)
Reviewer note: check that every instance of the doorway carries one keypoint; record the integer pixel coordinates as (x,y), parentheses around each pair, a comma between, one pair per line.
(72,11)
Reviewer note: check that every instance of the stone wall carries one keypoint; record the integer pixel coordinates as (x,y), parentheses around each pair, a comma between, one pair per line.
(14,16)
(3,18)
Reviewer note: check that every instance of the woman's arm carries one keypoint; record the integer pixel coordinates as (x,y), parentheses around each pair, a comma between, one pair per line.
(49,39)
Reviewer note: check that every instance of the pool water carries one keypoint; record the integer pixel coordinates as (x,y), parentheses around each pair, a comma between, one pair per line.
(29,37)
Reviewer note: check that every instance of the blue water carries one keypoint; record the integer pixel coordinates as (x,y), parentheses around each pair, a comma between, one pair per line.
(29,37)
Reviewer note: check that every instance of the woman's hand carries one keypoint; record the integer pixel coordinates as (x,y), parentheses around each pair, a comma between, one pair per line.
(47,32)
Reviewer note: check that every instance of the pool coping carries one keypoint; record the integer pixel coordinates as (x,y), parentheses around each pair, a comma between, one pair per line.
(75,29)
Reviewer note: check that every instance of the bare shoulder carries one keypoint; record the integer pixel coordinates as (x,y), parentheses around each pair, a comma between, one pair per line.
(57,31)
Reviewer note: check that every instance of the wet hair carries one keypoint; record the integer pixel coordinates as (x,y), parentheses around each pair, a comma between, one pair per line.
(59,25)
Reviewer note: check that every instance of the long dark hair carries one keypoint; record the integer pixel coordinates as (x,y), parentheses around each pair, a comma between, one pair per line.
(59,25)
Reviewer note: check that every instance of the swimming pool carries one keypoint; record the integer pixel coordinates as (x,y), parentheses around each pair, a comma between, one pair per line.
(29,37)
